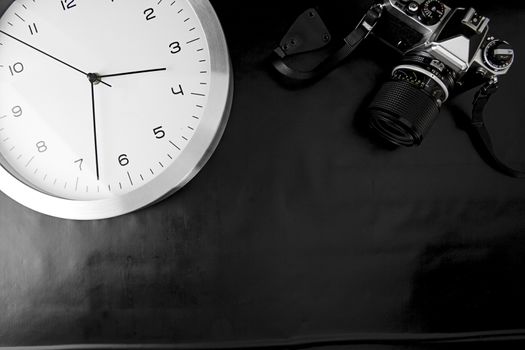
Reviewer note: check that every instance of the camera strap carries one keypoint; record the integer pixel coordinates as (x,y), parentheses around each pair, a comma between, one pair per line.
(480,135)
(309,33)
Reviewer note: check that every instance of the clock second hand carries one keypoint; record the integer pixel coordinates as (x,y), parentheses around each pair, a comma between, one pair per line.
(50,56)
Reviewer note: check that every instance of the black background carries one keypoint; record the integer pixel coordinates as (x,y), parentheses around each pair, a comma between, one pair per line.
(299,225)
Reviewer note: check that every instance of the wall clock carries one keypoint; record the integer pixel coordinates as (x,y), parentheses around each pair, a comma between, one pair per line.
(107,106)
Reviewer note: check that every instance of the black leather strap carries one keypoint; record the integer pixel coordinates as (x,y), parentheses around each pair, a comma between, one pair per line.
(480,134)
(351,42)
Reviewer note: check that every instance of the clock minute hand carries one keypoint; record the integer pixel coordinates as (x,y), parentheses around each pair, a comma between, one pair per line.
(94,127)
(135,72)
(48,55)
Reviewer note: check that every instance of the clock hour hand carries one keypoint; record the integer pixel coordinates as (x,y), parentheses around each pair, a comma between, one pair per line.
(48,55)
(135,72)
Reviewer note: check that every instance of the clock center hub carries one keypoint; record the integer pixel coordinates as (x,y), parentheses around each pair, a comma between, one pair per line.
(93,78)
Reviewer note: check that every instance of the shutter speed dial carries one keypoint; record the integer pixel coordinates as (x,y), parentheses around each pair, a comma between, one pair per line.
(432,11)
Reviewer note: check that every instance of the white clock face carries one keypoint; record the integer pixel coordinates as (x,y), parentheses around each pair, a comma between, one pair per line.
(98,98)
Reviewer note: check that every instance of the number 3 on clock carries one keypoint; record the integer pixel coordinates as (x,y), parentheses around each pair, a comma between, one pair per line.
(175,47)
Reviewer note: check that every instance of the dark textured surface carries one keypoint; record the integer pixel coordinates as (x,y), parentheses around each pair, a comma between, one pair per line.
(299,224)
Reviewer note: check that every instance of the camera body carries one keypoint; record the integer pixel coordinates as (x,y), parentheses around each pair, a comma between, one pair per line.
(444,51)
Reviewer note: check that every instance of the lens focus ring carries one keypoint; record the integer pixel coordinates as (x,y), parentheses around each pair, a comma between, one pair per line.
(403,113)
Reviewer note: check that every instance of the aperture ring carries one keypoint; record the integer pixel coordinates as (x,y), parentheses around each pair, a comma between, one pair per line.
(428,74)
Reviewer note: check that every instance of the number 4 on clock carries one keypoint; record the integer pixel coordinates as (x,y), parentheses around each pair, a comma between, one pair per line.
(180,91)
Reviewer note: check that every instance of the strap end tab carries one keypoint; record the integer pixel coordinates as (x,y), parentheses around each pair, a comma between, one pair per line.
(308,33)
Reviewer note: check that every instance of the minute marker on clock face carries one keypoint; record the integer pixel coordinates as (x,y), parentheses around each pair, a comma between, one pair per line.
(98,106)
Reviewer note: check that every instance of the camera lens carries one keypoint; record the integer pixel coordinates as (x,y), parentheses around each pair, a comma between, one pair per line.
(405,107)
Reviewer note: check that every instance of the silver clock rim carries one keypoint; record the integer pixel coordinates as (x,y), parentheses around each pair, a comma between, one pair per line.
(190,162)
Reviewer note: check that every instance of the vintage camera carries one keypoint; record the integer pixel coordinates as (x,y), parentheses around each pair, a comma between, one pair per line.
(444,51)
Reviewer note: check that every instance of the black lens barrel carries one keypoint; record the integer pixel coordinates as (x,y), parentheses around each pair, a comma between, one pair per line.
(402,113)
(405,108)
